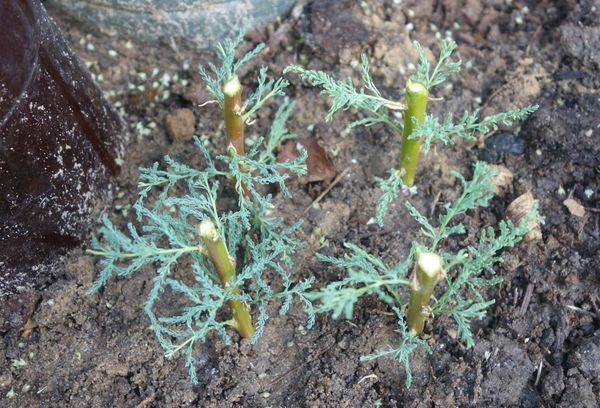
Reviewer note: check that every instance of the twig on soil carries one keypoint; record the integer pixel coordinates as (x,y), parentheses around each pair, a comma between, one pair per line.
(434,203)
(515,297)
(477,387)
(526,298)
(208,103)
(594,306)
(539,373)
(371,233)
(327,190)
(146,401)
(367,377)
(582,226)
(580,310)
(275,39)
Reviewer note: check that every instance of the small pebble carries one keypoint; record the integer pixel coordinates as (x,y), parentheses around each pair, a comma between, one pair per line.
(181,124)
(588,193)
(499,144)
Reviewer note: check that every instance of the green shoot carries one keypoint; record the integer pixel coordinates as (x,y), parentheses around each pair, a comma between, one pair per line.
(416,102)
(192,246)
(444,69)
(212,257)
(224,264)
(467,127)
(419,130)
(226,87)
(428,271)
(229,65)
(234,122)
(466,273)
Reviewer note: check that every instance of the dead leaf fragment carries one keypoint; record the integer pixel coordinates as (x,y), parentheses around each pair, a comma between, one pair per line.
(319,166)
(28,327)
(518,209)
(502,180)
(574,207)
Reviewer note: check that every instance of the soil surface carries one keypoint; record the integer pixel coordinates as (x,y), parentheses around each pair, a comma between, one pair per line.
(539,344)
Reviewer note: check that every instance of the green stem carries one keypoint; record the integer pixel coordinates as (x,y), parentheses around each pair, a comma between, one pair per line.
(429,270)
(225,267)
(235,123)
(416,101)
(232,107)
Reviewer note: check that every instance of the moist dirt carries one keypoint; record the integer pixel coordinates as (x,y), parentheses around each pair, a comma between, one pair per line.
(539,344)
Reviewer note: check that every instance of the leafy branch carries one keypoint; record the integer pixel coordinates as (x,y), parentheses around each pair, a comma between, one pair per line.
(408,343)
(419,130)
(209,256)
(345,96)
(226,51)
(466,273)
(169,239)
(435,130)
(444,69)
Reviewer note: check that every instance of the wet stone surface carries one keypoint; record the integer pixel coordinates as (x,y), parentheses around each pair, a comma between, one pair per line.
(59,141)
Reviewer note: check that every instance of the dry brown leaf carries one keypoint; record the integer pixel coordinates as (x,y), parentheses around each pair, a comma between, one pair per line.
(574,207)
(502,180)
(519,209)
(319,166)
(28,327)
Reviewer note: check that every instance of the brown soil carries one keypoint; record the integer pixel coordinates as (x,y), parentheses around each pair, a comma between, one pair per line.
(539,344)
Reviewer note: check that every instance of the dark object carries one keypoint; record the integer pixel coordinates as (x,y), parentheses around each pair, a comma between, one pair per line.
(564,75)
(58,145)
(201,22)
(499,144)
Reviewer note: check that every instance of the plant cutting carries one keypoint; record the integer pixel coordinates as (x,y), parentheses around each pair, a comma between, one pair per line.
(225,86)
(465,273)
(208,251)
(418,128)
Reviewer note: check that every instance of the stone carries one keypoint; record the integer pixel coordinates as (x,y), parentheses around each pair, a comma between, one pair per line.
(181,124)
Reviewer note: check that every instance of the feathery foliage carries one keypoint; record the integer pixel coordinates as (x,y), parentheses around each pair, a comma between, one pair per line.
(168,241)
(226,51)
(444,69)
(266,88)
(188,301)
(434,130)
(468,272)
(344,95)
(378,109)
(408,343)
